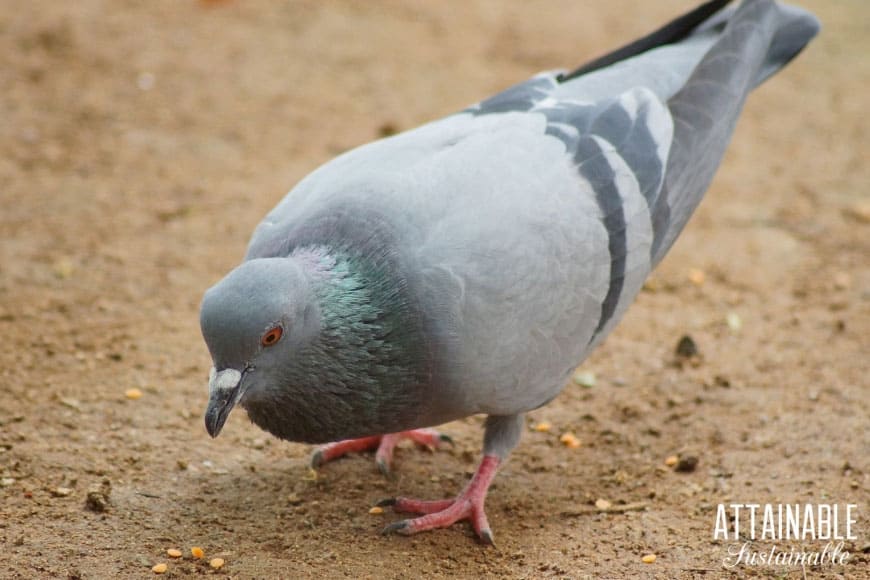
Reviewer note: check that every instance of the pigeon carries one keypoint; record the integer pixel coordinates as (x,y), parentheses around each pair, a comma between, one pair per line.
(468,266)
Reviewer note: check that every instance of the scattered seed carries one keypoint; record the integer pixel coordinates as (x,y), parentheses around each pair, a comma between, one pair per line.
(7,481)
(733,321)
(602,504)
(71,403)
(569,440)
(159,568)
(197,552)
(585,379)
(173,553)
(651,285)
(672,460)
(216,563)
(648,559)
(696,276)
(133,394)
(859,211)
(377,510)
(842,280)
(63,268)
(61,491)
(542,427)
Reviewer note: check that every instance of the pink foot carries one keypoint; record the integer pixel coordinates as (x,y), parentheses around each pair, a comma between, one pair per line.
(384,444)
(468,505)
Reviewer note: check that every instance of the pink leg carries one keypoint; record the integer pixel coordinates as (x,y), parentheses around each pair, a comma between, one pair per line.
(440,514)
(384,445)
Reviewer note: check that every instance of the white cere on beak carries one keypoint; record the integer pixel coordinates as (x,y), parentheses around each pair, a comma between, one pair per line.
(223,381)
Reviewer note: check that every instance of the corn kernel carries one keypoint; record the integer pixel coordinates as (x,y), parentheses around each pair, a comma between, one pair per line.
(569,440)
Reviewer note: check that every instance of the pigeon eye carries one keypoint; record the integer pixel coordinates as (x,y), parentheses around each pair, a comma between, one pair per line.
(272,336)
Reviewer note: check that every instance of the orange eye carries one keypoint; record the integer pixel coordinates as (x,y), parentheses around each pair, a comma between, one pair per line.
(272,336)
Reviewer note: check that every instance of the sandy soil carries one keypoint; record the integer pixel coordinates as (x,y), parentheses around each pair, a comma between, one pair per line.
(141,143)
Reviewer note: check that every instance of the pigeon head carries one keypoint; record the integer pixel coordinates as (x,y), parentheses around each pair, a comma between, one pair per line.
(253,322)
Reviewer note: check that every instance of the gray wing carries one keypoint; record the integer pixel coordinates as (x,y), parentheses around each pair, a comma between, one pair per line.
(704,80)
(618,147)
(616,160)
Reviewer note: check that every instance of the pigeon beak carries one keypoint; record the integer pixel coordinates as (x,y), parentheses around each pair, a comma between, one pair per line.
(224,391)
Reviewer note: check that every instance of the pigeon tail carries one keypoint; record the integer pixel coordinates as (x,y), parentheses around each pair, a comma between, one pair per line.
(764,37)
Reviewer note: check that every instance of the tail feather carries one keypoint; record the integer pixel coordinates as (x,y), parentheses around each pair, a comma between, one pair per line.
(760,38)
(672,32)
(797,29)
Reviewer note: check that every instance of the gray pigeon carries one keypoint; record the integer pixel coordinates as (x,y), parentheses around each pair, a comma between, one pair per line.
(469,265)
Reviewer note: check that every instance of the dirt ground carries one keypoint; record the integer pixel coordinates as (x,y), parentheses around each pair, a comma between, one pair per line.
(141,142)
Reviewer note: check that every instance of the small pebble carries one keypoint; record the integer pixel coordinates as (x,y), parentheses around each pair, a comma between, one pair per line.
(197,552)
(97,499)
(61,491)
(173,553)
(377,510)
(602,504)
(7,481)
(542,427)
(687,464)
(672,460)
(686,347)
(159,568)
(648,559)
(133,394)
(387,129)
(216,563)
